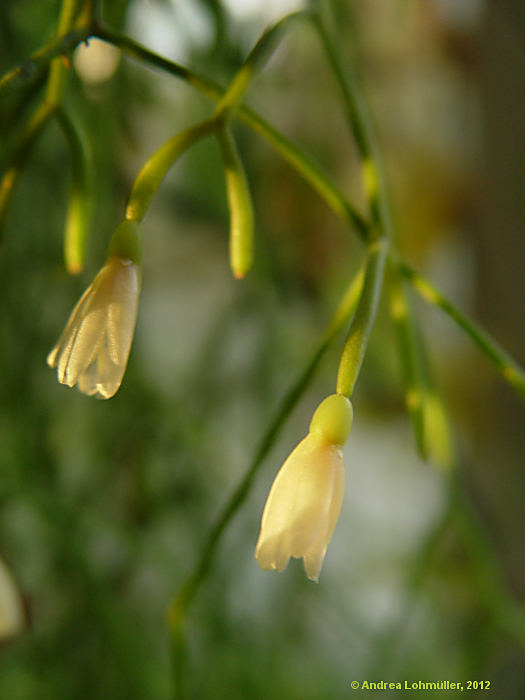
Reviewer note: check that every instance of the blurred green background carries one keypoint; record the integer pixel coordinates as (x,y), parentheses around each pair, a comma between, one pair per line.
(105,505)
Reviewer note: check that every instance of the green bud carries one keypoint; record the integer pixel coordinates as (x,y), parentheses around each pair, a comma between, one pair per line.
(126,242)
(240,204)
(333,419)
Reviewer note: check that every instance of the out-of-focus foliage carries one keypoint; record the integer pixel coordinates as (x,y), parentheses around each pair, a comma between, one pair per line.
(104,505)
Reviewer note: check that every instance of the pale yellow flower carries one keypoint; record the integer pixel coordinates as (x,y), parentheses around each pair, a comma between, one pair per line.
(93,350)
(305,499)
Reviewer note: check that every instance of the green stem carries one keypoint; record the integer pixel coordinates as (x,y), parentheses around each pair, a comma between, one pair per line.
(16,162)
(300,161)
(364,319)
(58,74)
(304,164)
(153,172)
(92,12)
(254,63)
(509,369)
(410,357)
(30,69)
(360,124)
(191,585)
(54,90)
(423,400)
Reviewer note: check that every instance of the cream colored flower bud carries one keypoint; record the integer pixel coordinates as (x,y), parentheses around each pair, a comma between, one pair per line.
(303,507)
(93,350)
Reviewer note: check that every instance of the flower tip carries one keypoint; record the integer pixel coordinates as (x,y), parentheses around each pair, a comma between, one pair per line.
(239,274)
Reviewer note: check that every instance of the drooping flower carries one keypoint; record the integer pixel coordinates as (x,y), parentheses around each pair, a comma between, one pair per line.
(93,350)
(303,506)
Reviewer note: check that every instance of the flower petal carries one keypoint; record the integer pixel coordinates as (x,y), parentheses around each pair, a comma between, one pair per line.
(122,313)
(299,504)
(313,558)
(85,346)
(65,342)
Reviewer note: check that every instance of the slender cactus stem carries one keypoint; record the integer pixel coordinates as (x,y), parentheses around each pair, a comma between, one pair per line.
(30,69)
(53,97)
(509,369)
(57,74)
(361,128)
(423,401)
(12,172)
(304,164)
(156,167)
(359,333)
(254,63)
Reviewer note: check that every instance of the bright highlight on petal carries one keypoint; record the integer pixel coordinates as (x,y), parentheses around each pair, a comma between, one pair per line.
(305,499)
(93,350)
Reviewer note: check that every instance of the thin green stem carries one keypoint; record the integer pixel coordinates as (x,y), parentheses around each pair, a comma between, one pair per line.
(422,398)
(30,69)
(18,158)
(359,333)
(92,11)
(304,164)
(154,171)
(509,369)
(361,128)
(191,585)
(156,167)
(375,187)
(57,74)
(299,160)
(254,63)
(311,171)
(410,357)
(53,96)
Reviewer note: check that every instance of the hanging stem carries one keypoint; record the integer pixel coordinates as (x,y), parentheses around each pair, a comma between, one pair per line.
(304,164)
(423,401)
(58,74)
(357,339)
(254,63)
(53,97)
(156,167)
(16,162)
(361,127)
(509,369)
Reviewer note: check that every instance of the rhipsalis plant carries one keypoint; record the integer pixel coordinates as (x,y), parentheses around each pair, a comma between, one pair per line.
(92,353)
